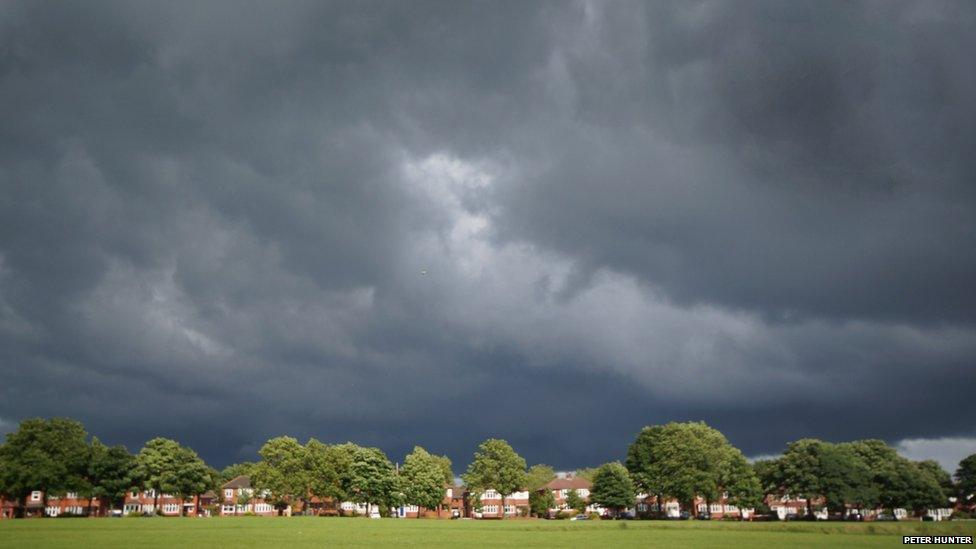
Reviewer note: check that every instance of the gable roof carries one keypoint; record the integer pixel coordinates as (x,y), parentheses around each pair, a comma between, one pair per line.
(572,483)
(240,481)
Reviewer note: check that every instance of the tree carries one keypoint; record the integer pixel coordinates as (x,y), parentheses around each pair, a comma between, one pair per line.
(940,475)
(966,478)
(156,464)
(423,479)
(50,455)
(330,470)
(541,501)
(538,476)
(742,484)
(283,471)
(575,501)
(770,475)
(587,472)
(680,461)
(838,474)
(496,466)
(191,477)
(235,470)
(111,473)
(612,488)
(372,479)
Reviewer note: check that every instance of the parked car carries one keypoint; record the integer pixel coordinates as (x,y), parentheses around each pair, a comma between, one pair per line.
(580,517)
(375,515)
(704,515)
(886,517)
(854,517)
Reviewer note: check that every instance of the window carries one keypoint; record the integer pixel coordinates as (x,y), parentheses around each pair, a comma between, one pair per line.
(583,492)
(228,493)
(51,511)
(490,509)
(509,509)
(449,493)
(702,507)
(262,508)
(35,496)
(731,508)
(641,508)
(716,508)
(227,509)
(71,495)
(490,494)
(135,494)
(170,508)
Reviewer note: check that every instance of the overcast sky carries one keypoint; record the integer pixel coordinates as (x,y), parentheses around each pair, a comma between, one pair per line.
(436,222)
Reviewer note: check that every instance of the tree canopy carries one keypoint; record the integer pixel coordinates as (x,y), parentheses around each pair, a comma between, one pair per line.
(612,487)
(424,478)
(496,466)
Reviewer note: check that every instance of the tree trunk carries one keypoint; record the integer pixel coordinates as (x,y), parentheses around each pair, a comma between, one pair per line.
(90,498)
(502,510)
(155,501)
(44,505)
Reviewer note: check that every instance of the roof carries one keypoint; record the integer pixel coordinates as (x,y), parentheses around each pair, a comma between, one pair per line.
(573,483)
(240,481)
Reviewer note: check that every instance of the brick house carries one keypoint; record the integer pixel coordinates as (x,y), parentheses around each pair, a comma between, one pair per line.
(453,505)
(516,504)
(73,503)
(561,487)
(234,493)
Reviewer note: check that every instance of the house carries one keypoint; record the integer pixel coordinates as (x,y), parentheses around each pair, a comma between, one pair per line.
(453,505)
(561,487)
(144,502)
(516,504)
(648,506)
(73,503)
(240,498)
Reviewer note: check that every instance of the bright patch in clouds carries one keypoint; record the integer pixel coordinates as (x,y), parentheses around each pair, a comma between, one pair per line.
(947,451)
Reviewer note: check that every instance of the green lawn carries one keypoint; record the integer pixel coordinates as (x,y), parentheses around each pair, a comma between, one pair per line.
(320,532)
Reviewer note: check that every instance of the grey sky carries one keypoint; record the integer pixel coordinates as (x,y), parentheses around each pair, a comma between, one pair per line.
(215,220)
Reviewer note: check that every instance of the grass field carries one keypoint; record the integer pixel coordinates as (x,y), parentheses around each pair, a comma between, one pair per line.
(332,532)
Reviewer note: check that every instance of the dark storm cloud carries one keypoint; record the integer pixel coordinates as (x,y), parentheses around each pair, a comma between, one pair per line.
(215,218)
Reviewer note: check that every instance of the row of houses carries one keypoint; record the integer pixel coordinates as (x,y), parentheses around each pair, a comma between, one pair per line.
(238,497)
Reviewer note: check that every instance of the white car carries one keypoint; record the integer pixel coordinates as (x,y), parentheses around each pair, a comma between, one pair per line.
(374,515)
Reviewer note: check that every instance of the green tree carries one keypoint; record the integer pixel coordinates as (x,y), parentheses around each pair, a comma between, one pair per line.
(742,484)
(940,475)
(587,472)
(372,479)
(541,501)
(191,477)
(496,466)
(424,479)
(235,470)
(966,479)
(157,464)
(327,466)
(575,501)
(681,461)
(538,476)
(612,488)
(770,474)
(838,474)
(111,473)
(44,454)
(283,471)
